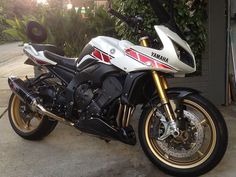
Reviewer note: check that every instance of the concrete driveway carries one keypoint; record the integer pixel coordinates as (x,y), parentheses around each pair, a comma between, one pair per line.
(68,153)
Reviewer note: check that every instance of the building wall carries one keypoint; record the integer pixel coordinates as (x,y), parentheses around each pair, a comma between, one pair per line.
(100,3)
(218,75)
(213,81)
(82,3)
(197,82)
(88,3)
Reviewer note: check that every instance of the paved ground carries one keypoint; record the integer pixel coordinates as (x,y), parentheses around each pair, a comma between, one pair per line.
(68,153)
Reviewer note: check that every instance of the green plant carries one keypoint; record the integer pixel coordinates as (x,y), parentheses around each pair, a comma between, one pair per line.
(3,26)
(17,30)
(72,32)
(191,21)
(18,26)
(102,23)
(18,8)
(66,29)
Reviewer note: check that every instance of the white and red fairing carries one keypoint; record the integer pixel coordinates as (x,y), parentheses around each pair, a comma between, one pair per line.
(37,56)
(129,57)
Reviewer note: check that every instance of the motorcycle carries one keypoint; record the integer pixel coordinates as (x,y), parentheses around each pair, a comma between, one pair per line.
(180,131)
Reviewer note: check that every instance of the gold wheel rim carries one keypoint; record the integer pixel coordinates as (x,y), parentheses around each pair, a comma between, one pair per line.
(176,164)
(19,121)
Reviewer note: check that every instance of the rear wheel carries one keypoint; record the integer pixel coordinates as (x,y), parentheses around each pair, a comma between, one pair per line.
(199,147)
(29,125)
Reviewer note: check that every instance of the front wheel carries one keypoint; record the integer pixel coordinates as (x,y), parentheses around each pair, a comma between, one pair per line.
(199,147)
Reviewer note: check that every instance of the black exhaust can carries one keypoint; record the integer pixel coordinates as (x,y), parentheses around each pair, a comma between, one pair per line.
(20,88)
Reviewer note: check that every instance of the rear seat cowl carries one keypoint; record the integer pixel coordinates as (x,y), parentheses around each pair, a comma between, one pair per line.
(48,47)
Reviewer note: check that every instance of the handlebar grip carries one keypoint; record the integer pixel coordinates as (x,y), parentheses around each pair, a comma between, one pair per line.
(120,16)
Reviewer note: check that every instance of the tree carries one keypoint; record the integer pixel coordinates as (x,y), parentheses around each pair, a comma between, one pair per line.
(18,8)
(56,4)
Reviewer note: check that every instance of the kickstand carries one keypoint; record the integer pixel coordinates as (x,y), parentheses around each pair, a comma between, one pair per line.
(3,113)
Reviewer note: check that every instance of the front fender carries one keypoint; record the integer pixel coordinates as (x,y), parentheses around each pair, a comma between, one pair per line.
(180,92)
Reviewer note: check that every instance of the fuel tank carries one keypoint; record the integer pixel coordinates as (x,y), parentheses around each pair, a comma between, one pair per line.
(110,51)
(124,55)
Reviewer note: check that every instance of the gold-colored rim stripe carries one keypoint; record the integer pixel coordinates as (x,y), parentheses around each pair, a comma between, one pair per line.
(18,120)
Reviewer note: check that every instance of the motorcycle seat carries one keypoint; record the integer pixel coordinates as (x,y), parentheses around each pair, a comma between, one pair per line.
(60,60)
(48,47)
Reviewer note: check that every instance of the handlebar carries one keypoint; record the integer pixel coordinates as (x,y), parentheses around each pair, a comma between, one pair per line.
(136,22)
(133,22)
(118,15)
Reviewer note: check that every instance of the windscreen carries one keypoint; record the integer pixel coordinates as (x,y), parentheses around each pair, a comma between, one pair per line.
(159,10)
(164,17)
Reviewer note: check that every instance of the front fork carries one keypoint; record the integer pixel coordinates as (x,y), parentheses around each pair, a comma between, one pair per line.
(161,86)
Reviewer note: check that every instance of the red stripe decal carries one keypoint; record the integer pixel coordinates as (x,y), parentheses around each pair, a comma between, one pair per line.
(97,54)
(40,62)
(101,55)
(145,59)
(132,53)
(163,66)
(106,58)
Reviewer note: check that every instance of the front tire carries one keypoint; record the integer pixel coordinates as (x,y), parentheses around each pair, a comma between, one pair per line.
(180,156)
(27,124)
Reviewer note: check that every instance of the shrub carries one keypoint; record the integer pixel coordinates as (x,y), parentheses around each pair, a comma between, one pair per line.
(67,30)
(3,26)
(18,28)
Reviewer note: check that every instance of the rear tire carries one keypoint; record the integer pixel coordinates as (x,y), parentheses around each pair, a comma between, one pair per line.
(167,163)
(21,123)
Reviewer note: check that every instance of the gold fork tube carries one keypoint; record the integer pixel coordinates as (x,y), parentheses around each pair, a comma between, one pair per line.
(124,116)
(161,85)
(118,117)
(164,82)
(144,41)
(128,117)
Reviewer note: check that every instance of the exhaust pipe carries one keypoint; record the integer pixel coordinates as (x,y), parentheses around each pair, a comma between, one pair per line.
(19,87)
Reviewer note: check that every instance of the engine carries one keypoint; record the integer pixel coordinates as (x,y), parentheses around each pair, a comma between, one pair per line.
(92,101)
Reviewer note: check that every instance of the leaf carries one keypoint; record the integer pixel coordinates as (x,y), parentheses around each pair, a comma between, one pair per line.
(18,25)
(12,32)
(12,23)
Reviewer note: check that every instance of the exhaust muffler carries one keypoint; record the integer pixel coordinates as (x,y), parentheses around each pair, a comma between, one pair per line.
(20,88)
